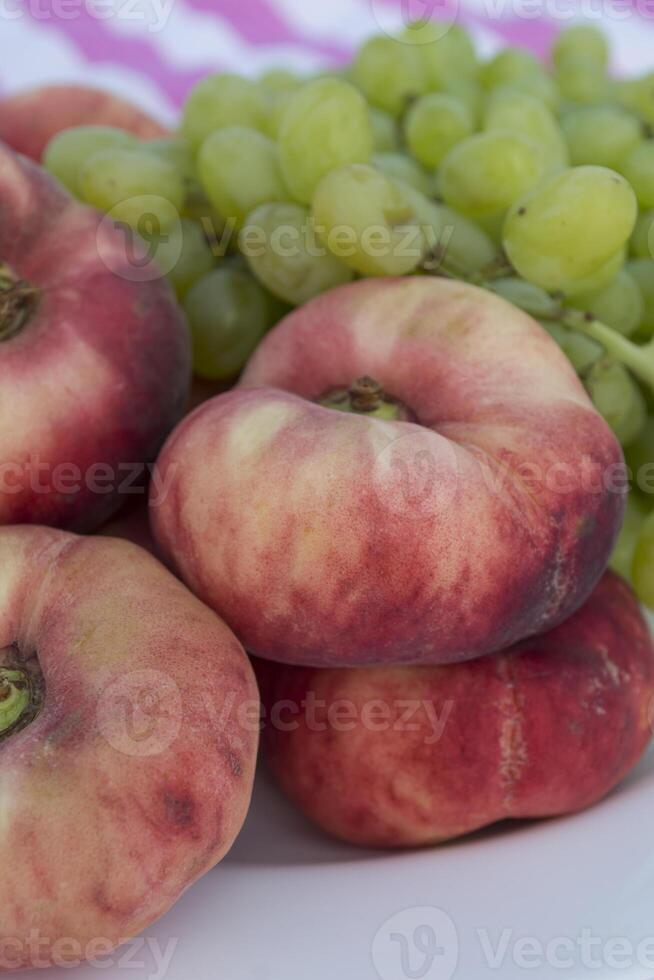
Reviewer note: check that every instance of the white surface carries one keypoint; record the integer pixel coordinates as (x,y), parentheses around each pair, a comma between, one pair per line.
(290,904)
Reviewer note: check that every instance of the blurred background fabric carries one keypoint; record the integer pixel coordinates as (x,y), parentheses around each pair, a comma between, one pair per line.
(153,50)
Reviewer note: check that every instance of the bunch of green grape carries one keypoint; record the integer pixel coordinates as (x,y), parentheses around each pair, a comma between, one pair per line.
(533,180)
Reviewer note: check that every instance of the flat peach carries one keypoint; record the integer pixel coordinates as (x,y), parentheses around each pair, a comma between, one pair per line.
(94,356)
(29,120)
(125,771)
(475,503)
(397,757)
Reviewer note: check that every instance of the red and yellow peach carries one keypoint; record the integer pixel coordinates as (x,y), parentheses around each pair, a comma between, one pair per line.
(29,120)
(417,755)
(473,504)
(95,359)
(126,769)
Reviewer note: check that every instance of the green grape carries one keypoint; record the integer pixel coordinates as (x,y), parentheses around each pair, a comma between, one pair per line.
(600,277)
(343,74)
(468,245)
(509,108)
(326,125)
(638,168)
(278,80)
(583,80)
(133,185)
(557,236)
(619,305)
(434,124)
(184,256)
(280,243)
(401,167)
(389,73)
(68,151)
(625,547)
(637,95)
(641,245)
(239,169)
(639,455)
(541,87)
(582,352)
(276,104)
(642,271)
(228,313)
(218,101)
(581,41)
(601,135)
(484,174)
(642,568)
(277,88)
(510,65)
(177,152)
(385,131)
(468,91)
(460,244)
(444,49)
(173,149)
(525,295)
(366,220)
(617,397)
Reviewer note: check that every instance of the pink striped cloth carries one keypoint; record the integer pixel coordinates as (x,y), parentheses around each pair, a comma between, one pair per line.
(153,50)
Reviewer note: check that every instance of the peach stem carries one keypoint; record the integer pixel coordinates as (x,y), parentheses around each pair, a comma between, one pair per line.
(18,301)
(365,396)
(15,697)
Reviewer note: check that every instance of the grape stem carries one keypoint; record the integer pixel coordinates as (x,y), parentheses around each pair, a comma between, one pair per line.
(638,358)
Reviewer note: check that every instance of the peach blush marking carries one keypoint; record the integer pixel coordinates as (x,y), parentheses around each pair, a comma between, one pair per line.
(560,585)
(612,669)
(374,338)
(309,546)
(514,755)
(257,426)
(8,795)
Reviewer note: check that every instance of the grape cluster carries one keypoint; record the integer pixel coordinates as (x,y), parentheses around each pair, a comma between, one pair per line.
(534,181)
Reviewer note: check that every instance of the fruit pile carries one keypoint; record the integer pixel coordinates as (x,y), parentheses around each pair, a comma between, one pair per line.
(405,507)
(415,159)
